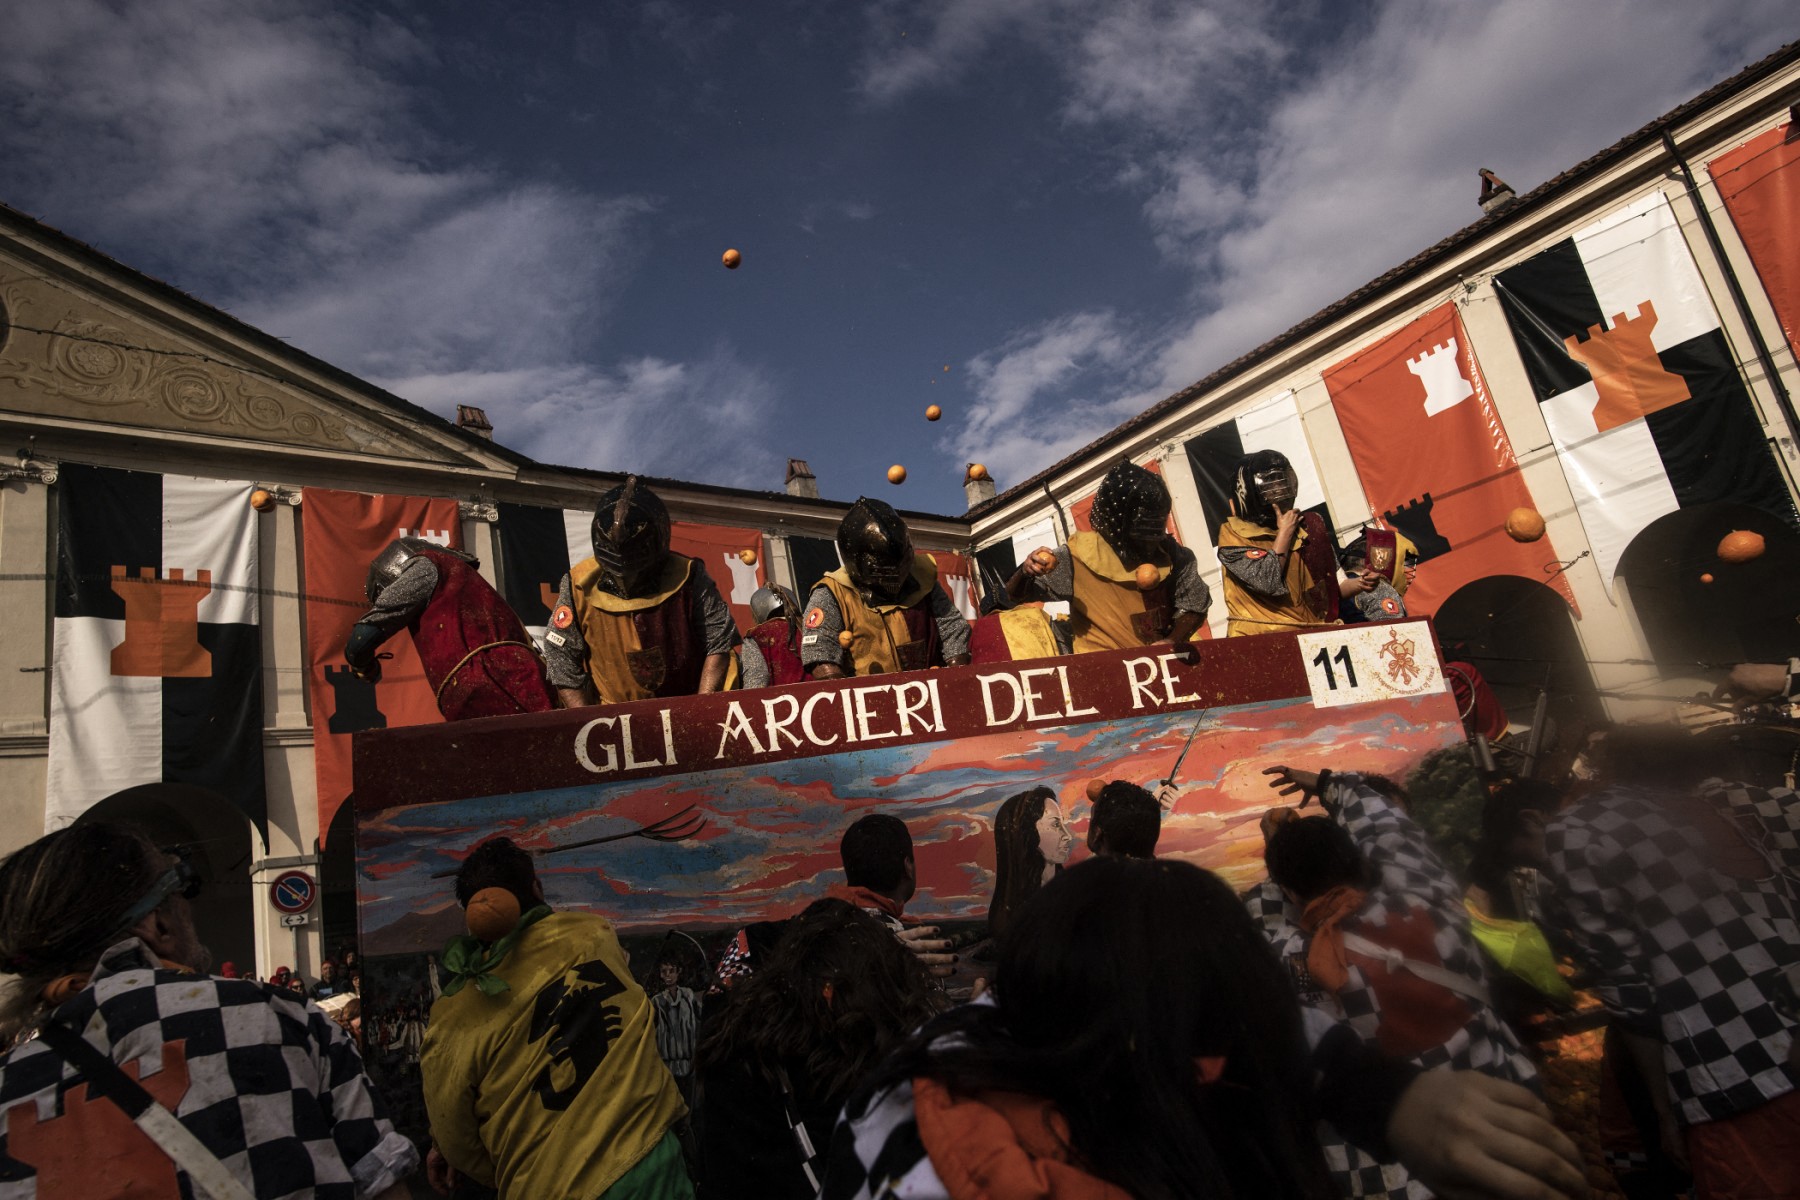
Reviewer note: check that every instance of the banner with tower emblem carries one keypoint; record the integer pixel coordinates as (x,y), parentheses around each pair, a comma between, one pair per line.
(1434,460)
(156,663)
(1635,378)
(340,532)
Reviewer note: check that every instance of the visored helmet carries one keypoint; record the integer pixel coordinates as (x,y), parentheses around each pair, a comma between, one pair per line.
(1266,482)
(773,600)
(385,567)
(631,539)
(1131,511)
(877,549)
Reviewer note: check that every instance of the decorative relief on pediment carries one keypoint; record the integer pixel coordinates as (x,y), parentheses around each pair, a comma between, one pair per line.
(80,359)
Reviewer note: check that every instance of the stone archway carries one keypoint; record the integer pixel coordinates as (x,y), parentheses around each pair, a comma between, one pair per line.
(1521,635)
(1745,612)
(218,840)
(337,883)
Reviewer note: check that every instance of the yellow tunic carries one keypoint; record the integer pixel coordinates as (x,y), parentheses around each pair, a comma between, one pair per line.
(1106,610)
(1246,611)
(878,631)
(508,1110)
(606,625)
(1028,633)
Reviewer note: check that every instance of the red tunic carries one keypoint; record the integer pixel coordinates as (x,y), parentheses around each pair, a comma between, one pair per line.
(775,638)
(477,656)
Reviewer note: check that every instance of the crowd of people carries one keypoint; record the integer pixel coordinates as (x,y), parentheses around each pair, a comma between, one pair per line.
(1365,1022)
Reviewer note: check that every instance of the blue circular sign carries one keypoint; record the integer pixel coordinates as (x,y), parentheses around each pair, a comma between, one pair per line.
(294,891)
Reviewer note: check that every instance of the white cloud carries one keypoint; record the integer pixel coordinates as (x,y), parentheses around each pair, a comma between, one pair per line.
(1043,393)
(642,414)
(276,168)
(1283,172)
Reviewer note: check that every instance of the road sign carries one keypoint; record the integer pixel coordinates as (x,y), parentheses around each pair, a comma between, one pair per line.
(295,920)
(294,891)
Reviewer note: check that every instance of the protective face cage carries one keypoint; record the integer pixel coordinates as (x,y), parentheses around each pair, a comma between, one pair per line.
(1131,508)
(877,549)
(1266,482)
(631,539)
(385,567)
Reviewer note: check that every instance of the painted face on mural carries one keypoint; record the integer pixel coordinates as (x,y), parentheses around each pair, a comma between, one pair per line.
(1054,840)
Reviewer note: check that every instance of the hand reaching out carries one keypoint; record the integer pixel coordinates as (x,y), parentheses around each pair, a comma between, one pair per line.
(1289,780)
(1468,1136)
(931,950)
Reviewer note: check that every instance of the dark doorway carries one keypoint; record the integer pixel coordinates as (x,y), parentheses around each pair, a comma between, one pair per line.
(1521,635)
(216,839)
(1695,609)
(337,883)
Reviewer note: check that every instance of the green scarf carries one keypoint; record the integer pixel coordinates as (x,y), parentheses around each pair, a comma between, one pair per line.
(466,958)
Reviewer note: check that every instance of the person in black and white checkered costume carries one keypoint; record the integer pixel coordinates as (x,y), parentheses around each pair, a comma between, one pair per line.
(94,922)
(1411,886)
(1683,901)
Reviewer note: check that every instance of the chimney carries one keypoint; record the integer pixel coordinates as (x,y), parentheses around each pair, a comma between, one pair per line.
(1495,195)
(800,481)
(474,420)
(978,485)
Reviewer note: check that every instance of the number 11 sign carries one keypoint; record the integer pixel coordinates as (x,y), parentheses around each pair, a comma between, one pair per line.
(1362,663)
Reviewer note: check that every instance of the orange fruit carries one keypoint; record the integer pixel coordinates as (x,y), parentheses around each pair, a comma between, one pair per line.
(1741,545)
(933,412)
(896,474)
(1524,524)
(747,557)
(1147,577)
(731,259)
(492,914)
(262,500)
(977,471)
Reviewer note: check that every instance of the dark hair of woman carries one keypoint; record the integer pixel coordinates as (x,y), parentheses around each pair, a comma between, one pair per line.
(1110,984)
(1018,857)
(837,994)
(63,900)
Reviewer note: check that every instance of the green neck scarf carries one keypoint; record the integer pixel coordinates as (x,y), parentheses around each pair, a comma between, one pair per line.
(466,958)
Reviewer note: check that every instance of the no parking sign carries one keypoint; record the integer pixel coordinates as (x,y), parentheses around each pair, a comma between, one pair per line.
(293,892)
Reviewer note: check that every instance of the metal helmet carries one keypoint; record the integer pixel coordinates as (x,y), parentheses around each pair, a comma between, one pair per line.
(773,600)
(1131,511)
(1265,482)
(631,538)
(877,549)
(385,567)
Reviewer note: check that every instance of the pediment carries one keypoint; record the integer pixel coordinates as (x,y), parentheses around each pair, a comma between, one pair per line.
(73,354)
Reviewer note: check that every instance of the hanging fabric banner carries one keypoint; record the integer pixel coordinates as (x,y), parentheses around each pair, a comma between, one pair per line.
(956,575)
(341,532)
(156,666)
(1760,182)
(1635,379)
(1434,459)
(1273,424)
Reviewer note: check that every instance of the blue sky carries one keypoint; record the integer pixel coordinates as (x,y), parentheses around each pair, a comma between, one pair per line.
(1077,207)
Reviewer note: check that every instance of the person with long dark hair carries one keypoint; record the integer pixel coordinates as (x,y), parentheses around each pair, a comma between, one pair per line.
(1142,1040)
(775,1066)
(1031,844)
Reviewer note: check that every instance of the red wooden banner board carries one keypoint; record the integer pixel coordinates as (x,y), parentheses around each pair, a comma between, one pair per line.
(779,773)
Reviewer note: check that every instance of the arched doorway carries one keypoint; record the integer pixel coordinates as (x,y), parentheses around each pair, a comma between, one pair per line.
(1521,635)
(213,836)
(1695,609)
(337,883)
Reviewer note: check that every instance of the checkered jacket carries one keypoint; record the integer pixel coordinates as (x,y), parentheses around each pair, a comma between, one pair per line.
(265,1080)
(1682,950)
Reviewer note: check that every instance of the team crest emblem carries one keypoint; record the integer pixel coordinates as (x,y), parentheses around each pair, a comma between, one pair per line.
(815,617)
(1390,606)
(648,667)
(1255,554)
(563,617)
